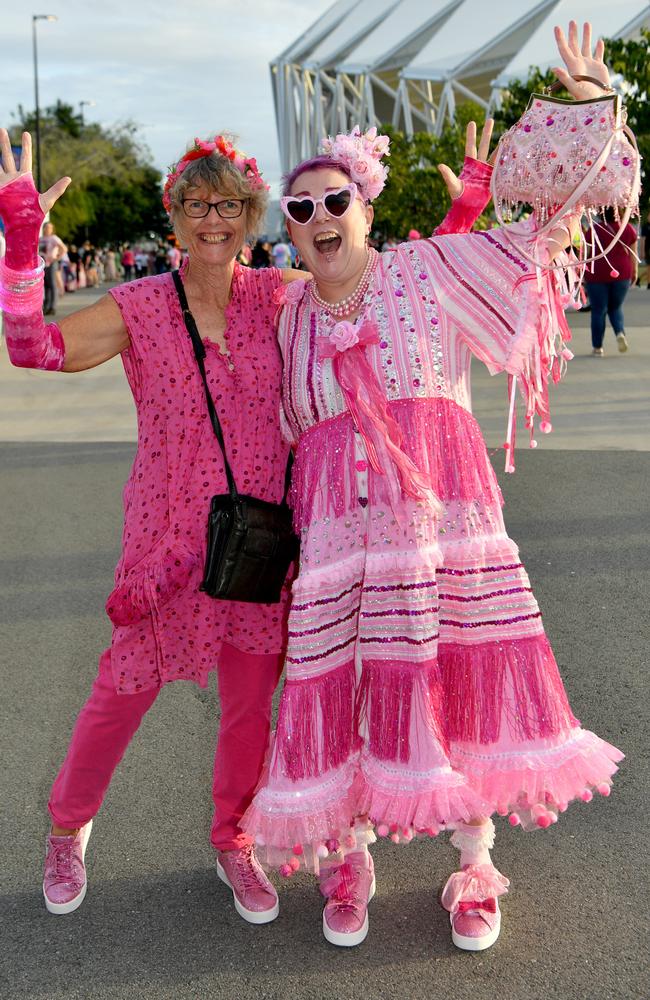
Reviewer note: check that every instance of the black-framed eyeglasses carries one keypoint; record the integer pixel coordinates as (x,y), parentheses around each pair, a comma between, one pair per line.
(229,208)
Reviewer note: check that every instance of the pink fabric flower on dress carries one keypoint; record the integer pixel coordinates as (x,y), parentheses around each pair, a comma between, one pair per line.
(344,336)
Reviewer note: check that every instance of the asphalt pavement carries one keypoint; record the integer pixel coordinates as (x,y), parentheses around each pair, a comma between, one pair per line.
(157,924)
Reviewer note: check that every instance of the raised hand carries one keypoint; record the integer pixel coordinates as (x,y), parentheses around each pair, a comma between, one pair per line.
(581,60)
(9,174)
(455,183)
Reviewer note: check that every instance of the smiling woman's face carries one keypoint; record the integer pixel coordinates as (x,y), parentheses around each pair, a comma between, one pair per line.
(211,240)
(332,249)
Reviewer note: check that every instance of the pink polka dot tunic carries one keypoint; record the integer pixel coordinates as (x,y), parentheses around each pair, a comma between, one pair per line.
(165,628)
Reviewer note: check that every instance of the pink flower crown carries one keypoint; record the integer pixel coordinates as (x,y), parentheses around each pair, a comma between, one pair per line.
(246,165)
(361,153)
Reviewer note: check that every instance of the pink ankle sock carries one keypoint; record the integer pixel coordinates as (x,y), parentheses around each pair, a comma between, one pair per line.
(474,843)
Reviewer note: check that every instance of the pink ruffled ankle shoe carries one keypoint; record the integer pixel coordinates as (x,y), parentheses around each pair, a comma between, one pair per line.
(64,878)
(348,887)
(471,897)
(254,896)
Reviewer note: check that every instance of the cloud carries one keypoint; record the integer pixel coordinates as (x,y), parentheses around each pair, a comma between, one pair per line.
(177,69)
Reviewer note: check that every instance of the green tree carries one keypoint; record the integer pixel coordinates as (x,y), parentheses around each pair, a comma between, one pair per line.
(415,196)
(115,192)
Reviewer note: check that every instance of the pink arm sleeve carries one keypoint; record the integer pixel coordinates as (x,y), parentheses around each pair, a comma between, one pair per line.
(31,343)
(473,200)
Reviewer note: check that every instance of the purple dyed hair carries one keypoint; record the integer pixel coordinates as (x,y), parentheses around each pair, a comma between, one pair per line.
(321,162)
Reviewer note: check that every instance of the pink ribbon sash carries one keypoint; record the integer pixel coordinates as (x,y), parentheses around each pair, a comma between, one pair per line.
(367,403)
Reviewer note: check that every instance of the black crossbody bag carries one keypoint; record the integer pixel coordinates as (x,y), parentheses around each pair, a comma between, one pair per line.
(251,542)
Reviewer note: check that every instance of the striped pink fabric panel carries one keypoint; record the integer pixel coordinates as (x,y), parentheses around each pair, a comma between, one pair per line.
(488,602)
(476,279)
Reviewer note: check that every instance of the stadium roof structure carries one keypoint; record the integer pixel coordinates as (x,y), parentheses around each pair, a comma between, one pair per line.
(408,62)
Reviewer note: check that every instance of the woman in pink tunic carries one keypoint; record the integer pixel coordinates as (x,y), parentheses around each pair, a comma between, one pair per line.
(421,690)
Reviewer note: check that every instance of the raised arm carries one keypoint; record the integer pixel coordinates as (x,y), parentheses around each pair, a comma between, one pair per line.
(470,191)
(84,340)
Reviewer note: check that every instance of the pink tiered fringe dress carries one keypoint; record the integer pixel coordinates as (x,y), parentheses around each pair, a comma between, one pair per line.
(420,687)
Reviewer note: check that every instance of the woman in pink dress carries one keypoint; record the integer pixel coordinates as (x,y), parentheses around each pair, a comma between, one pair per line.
(421,690)
(164,627)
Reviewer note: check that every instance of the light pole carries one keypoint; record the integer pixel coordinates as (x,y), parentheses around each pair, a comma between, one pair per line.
(82,105)
(35,18)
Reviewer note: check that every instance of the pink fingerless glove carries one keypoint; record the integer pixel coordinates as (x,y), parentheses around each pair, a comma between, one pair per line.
(469,205)
(23,217)
(31,343)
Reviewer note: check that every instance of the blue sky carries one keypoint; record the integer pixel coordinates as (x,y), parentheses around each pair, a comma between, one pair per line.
(177,69)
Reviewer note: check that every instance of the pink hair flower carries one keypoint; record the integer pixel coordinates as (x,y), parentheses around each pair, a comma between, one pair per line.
(247,167)
(361,155)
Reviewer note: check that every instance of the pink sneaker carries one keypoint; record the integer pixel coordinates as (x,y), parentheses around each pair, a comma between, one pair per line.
(64,879)
(255,897)
(470,896)
(348,886)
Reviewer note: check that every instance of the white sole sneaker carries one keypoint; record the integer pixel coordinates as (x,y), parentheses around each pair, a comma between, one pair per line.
(252,916)
(476,944)
(72,904)
(621,342)
(349,940)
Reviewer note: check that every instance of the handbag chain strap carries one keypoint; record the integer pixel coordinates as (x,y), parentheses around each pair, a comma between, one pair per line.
(558,85)
(199,353)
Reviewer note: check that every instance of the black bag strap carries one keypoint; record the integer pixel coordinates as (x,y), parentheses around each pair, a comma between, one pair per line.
(199,353)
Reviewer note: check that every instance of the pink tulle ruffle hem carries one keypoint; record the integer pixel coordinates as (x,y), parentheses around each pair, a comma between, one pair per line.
(538,782)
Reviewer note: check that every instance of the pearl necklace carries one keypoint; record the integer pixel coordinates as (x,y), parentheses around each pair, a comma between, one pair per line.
(351,303)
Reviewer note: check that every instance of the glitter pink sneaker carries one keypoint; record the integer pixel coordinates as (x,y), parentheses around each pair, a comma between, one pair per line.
(470,896)
(64,879)
(348,886)
(255,897)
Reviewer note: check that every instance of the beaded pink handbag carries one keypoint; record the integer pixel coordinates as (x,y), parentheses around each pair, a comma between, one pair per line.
(568,156)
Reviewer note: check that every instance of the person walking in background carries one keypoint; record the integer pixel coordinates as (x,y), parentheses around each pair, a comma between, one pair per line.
(51,249)
(160,259)
(173,257)
(110,267)
(609,281)
(644,249)
(261,256)
(128,262)
(281,254)
(141,262)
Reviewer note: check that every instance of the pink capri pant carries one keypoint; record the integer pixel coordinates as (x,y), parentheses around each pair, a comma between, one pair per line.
(108,721)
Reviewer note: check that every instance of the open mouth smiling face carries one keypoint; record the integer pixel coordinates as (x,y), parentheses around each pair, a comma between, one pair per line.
(212,232)
(331,243)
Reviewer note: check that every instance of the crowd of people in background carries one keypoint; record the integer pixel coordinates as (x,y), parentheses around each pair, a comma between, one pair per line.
(71,267)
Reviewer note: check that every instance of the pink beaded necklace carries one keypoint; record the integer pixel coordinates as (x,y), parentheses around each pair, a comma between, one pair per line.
(350,304)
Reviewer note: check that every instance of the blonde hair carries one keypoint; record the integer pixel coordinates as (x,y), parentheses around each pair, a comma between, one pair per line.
(218,173)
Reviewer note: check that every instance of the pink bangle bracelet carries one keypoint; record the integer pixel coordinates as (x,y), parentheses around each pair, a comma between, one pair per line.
(21,292)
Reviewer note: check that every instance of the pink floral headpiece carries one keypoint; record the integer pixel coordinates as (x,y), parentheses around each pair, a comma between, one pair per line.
(245,165)
(361,153)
